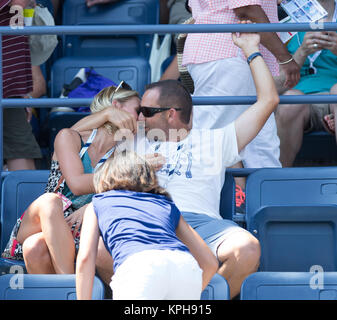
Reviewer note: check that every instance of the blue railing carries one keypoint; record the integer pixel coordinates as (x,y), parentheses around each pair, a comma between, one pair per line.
(160,29)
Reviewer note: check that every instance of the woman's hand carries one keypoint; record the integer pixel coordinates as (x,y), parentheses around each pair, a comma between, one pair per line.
(331,42)
(313,42)
(76,219)
(247,41)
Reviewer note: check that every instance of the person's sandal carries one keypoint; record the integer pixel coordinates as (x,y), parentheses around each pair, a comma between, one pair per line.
(327,126)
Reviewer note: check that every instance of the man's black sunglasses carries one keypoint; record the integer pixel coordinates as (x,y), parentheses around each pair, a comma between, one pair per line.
(149,112)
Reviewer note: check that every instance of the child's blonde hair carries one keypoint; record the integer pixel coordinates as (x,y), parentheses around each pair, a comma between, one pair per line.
(127,171)
(104,98)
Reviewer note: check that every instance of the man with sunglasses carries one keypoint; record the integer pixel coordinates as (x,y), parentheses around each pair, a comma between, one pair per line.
(196,160)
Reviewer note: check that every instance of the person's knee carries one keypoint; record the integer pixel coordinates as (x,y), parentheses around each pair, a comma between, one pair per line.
(46,205)
(286,113)
(35,251)
(333,89)
(245,253)
(249,253)
(333,106)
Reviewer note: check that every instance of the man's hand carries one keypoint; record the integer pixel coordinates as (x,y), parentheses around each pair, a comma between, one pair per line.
(291,71)
(156,160)
(121,119)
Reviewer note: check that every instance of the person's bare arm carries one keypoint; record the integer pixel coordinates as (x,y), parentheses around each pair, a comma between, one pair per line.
(66,148)
(249,123)
(199,249)
(272,42)
(39,83)
(86,258)
(172,71)
(118,117)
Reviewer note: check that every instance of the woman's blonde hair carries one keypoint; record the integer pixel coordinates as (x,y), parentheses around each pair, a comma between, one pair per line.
(127,171)
(104,98)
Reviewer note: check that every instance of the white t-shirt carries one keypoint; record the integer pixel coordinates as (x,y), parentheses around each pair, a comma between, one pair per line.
(195,169)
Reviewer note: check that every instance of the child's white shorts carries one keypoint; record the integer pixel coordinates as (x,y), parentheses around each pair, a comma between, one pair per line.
(158,275)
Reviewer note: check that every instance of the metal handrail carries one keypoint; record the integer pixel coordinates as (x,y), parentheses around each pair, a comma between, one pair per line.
(230,100)
(160,29)
(169,28)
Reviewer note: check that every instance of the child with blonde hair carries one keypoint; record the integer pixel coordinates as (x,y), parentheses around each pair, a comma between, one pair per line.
(156,254)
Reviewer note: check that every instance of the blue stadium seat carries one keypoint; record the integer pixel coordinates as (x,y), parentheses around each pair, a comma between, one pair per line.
(293,212)
(133,70)
(217,289)
(19,190)
(44,287)
(126,12)
(60,120)
(291,186)
(290,286)
(294,238)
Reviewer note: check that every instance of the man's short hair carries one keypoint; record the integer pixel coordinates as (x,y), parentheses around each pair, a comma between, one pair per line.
(172,93)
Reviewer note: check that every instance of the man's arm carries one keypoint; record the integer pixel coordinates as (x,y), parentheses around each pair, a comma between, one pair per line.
(249,123)
(272,42)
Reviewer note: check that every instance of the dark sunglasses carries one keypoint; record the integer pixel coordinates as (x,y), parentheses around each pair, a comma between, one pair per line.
(149,112)
(122,85)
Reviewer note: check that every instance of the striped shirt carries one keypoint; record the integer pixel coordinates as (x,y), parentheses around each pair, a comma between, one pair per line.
(205,47)
(16,63)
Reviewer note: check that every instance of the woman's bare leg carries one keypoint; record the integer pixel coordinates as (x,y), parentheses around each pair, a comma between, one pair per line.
(36,255)
(104,263)
(46,215)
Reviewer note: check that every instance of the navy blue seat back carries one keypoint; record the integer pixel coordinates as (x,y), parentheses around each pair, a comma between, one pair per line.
(317,146)
(44,287)
(133,70)
(293,213)
(291,186)
(19,190)
(217,289)
(227,199)
(60,120)
(294,238)
(290,286)
(126,12)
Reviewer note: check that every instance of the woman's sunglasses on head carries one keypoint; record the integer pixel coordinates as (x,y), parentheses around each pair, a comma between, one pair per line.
(122,85)
(149,112)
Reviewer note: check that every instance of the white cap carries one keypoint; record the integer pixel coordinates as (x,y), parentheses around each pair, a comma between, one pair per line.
(42,45)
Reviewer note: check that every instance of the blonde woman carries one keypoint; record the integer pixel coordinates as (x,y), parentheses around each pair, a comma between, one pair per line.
(156,254)
(47,234)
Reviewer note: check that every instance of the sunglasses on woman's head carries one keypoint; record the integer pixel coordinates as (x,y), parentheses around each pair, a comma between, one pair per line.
(122,85)
(149,112)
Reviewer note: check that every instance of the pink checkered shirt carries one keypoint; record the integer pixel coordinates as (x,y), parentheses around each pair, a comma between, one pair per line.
(205,47)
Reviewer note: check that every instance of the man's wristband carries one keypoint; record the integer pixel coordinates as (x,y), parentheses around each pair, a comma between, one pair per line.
(285,62)
(253,56)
